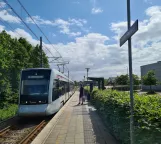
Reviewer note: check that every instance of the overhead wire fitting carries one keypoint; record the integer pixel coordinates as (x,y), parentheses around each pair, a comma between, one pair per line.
(38,27)
(29,27)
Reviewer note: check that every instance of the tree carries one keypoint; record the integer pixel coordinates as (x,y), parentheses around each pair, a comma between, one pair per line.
(76,83)
(149,79)
(105,82)
(122,80)
(35,56)
(15,55)
(136,80)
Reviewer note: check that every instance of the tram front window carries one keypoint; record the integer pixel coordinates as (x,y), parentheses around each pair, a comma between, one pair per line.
(35,87)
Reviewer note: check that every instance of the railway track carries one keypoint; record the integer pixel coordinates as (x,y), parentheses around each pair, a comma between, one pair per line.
(21,134)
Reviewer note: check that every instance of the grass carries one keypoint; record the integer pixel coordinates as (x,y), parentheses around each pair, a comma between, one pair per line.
(8,112)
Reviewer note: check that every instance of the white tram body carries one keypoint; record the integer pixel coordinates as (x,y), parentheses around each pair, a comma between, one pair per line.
(43,91)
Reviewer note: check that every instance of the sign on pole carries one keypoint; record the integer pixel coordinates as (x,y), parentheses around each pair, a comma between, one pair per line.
(127,36)
(133,29)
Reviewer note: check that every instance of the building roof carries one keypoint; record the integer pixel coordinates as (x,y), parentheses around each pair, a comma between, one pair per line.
(159,62)
(96,78)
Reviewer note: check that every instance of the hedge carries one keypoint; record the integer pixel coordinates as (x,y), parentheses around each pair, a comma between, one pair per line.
(126,88)
(114,109)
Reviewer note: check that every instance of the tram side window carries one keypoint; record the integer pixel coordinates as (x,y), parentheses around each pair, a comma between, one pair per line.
(64,87)
(71,87)
(56,91)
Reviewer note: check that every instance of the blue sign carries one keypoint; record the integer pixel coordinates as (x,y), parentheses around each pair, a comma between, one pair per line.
(133,29)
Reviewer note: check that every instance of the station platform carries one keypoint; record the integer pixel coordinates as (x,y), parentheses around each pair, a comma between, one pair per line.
(75,124)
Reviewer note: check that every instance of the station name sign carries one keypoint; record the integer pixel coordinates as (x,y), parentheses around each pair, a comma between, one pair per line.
(133,29)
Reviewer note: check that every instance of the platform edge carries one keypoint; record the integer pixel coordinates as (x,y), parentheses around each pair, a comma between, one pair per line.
(44,134)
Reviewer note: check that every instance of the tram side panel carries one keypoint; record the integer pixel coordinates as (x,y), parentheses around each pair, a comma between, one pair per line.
(54,99)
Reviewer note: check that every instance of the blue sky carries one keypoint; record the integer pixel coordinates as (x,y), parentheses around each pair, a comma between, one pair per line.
(87,32)
(113,11)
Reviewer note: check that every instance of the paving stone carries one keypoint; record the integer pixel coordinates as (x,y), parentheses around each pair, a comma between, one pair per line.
(79,125)
(69,139)
(79,141)
(80,135)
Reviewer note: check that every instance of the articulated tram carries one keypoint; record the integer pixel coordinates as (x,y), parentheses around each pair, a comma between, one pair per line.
(43,91)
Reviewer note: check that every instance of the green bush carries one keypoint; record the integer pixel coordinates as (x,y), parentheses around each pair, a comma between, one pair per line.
(8,112)
(114,109)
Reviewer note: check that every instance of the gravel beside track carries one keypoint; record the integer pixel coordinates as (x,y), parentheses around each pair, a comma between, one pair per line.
(19,129)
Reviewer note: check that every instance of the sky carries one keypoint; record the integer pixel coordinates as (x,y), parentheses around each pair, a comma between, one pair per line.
(86,32)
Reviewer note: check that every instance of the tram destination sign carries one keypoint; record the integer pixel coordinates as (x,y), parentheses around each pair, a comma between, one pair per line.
(34,77)
(133,29)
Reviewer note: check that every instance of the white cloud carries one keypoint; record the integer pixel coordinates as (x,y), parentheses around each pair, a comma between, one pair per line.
(96,10)
(2,4)
(17,33)
(153,11)
(106,59)
(6,16)
(39,21)
(65,26)
(148,1)
(110,60)
(53,35)
(2,28)
(76,2)
(77,22)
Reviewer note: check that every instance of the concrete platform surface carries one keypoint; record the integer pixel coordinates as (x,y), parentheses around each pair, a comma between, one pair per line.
(75,124)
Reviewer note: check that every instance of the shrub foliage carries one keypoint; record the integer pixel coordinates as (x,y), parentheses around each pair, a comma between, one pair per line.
(15,55)
(115,111)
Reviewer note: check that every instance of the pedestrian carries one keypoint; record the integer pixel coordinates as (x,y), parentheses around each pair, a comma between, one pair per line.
(81,94)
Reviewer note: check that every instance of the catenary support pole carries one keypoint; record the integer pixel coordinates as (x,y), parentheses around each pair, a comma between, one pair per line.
(68,85)
(131,77)
(41,58)
(63,68)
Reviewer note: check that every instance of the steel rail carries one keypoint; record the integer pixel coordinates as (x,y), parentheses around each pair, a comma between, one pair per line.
(3,131)
(32,134)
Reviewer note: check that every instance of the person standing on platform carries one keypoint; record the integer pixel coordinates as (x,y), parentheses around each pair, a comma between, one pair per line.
(81,94)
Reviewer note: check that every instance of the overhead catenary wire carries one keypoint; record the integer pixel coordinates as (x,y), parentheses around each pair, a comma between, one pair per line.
(20,18)
(27,25)
(39,28)
(9,26)
(24,22)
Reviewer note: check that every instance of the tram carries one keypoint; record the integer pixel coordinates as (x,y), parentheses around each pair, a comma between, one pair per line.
(43,91)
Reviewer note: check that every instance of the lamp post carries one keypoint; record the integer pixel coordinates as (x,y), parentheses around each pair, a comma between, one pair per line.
(127,70)
(87,73)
